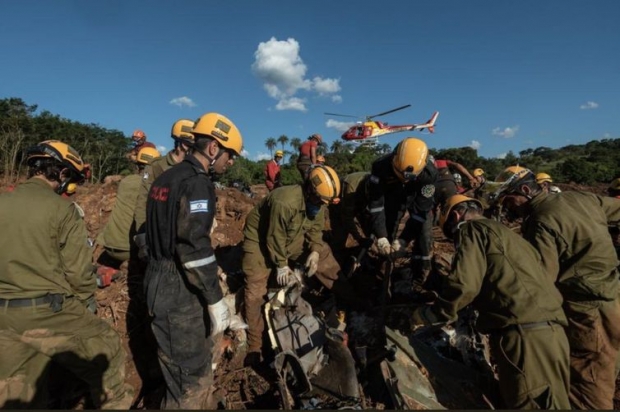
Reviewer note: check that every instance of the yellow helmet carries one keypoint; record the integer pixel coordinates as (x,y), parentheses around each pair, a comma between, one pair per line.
(511,178)
(146,155)
(507,173)
(182,130)
(614,185)
(324,182)
(71,188)
(409,158)
(478,172)
(543,177)
(279,153)
(449,205)
(220,128)
(61,152)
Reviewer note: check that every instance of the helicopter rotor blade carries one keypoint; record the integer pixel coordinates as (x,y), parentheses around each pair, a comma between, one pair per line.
(389,111)
(342,115)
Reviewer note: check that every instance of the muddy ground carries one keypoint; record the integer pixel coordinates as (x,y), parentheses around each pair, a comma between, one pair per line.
(122,306)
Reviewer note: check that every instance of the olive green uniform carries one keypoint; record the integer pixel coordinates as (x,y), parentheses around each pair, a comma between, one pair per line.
(351,216)
(46,276)
(151,172)
(276,233)
(502,276)
(116,235)
(570,231)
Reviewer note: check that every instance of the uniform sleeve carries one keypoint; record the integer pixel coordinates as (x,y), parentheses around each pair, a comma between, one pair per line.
(76,254)
(314,236)
(611,206)
(270,175)
(549,243)
(376,205)
(193,247)
(464,282)
(348,215)
(143,192)
(279,218)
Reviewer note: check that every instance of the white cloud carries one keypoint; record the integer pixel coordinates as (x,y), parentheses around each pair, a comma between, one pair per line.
(589,105)
(337,98)
(339,126)
(606,135)
(244,153)
(475,144)
(506,133)
(182,101)
(326,86)
(279,66)
(262,156)
(162,150)
(292,103)
(501,156)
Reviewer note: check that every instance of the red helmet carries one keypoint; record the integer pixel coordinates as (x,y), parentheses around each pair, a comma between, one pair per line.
(138,137)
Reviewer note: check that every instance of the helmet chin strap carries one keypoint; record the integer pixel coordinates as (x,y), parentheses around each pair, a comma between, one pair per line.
(212,161)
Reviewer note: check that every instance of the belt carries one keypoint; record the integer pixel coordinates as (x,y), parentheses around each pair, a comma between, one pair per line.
(20,303)
(533,325)
(111,249)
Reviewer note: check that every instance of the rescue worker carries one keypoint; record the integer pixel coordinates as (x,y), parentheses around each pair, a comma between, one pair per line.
(308,154)
(614,188)
(502,276)
(350,216)
(47,290)
(446,185)
(478,174)
(285,227)
(544,180)
(272,171)
(458,179)
(404,180)
(70,191)
(570,230)
(139,141)
(183,138)
(116,237)
(181,277)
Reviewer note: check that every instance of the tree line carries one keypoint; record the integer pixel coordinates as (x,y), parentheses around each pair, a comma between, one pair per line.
(105,149)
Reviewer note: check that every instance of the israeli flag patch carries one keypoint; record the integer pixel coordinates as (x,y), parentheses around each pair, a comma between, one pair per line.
(199,206)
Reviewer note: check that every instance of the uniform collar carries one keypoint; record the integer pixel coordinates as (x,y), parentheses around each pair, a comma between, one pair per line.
(38,182)
(194,162)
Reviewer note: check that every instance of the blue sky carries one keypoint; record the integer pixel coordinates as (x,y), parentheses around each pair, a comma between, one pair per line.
(503,75)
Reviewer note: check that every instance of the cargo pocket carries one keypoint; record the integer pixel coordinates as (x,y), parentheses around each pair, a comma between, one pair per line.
(188,347)
(541,398)
(585,341)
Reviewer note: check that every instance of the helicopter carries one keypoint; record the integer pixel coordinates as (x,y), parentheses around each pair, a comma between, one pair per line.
(370,130)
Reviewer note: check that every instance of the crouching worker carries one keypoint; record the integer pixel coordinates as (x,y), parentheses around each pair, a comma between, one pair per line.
(502,276)
(285,227)
(47,287)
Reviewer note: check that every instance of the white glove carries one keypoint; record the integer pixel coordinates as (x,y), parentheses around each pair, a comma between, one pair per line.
(384,246)
(312,263)
(399,245)
(219,314)
(399,248)
(283,275)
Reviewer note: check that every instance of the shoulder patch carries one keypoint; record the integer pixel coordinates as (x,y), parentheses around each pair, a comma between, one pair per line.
(428,190)
(79,209)
(199,206)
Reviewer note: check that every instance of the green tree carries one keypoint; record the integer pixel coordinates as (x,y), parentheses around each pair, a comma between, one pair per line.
(271,144)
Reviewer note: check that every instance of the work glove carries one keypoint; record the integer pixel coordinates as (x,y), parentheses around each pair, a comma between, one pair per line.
(219,314)
(384,246)
(143,248)
(399,248)
(283,275)
(91,304)
(312,263)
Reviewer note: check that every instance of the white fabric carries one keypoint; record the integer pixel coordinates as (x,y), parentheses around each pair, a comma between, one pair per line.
(219,314)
